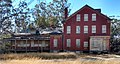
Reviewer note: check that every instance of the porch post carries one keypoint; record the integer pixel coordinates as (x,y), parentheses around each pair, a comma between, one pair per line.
(26,45)
(38,45)
(15,46)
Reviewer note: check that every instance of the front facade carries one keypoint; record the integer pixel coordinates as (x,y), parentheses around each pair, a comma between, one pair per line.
(84,29)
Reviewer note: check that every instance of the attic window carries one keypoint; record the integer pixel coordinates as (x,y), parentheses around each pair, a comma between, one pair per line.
(93,17)
(85,17)
(78,17)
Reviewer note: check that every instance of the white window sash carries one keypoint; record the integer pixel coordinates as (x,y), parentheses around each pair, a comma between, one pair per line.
(103,28)
(55,42)
(85,17)
(68,43)
(68,29)
(93,17)
(78,43)
(78,17)
(85,29)
(77,29)
(93,29)
(85,44)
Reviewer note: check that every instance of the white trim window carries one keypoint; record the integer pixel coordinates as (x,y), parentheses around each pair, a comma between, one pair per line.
(77,29)
(103,28)
(85,29)
(93,28)
(55,42)
(68,43)
(85,44)
(85,17)
(68,29)
(78,43)
(78,17)
(95,43)
(94,17)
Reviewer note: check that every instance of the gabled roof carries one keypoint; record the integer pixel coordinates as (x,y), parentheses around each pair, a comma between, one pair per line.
(96,10)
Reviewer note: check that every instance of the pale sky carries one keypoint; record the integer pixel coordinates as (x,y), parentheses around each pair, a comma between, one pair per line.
(108,7)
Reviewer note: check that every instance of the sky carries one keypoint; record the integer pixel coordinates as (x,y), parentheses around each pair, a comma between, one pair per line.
(108,7)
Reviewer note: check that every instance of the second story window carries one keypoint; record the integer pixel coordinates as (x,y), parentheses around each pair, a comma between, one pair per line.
(68,29)
(93,28)
(85,17)
(103,28)
(85,29)
(93,17)
(77,29)
(55,42)
(78,17)
(68,43)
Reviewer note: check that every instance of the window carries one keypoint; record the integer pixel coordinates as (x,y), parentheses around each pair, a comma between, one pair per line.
(95,43)
(93,28)
(93,17)
(77,43)
(78,17)
(68,43)
(68,29)
(55,41)
(85,44)
(103,28)
(85,29)
(32,43)
(85,17)
(77,29)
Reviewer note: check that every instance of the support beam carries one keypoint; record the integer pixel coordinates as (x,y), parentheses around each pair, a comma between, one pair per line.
(38,45)
(15,46)
(26,45)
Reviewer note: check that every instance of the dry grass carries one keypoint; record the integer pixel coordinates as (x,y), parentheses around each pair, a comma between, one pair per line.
(38,55)
(53,58)
(37,61)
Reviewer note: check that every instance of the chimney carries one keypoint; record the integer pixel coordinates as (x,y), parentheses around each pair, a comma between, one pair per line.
(66,12)
(98,10)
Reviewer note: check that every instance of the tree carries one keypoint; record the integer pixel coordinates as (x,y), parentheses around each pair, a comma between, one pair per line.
(5,16)
(115,35)
(49,15)
(21,16)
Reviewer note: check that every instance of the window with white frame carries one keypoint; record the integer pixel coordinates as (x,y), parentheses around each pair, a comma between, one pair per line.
(55,42)
(78,17)
(94,17)
(85,17)
(68,43)
(78,43)
(68,29)
(85,29)
(85,44)
(93,28)
(95,43)
(77,29)
(103,28)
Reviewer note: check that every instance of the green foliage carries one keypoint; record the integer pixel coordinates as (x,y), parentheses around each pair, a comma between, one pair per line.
(115,35)
(5,16)
(21,16)
(49,14)
(5,36)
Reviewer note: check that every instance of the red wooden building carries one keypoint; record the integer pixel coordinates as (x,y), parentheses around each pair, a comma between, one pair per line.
(86,30)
